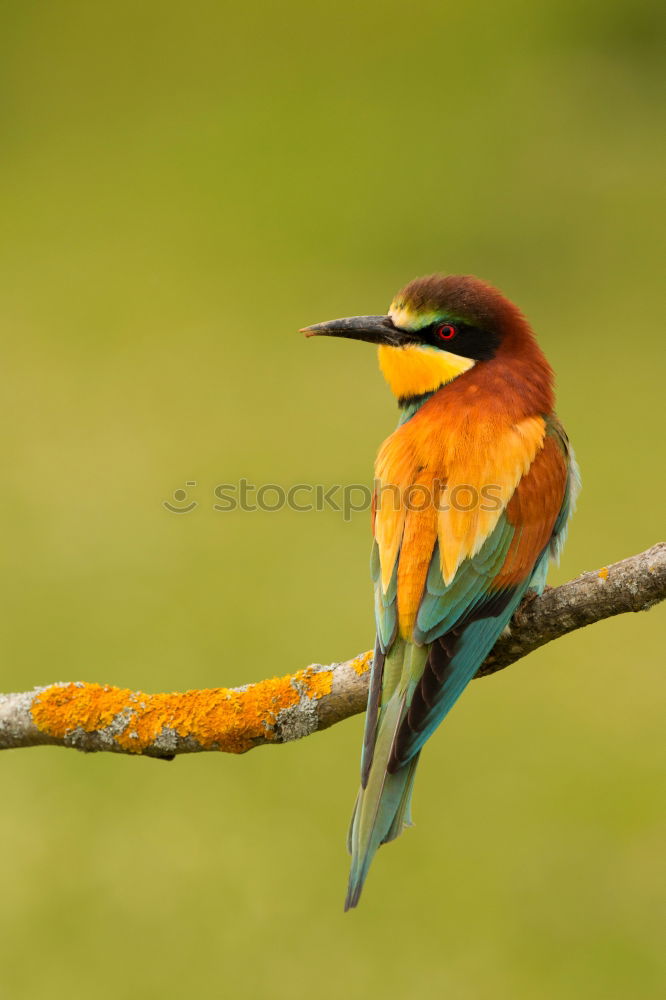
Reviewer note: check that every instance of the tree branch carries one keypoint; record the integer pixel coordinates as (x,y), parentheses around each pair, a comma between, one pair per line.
(94,717)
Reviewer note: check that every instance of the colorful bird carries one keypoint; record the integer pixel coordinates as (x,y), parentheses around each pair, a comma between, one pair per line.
(473,492)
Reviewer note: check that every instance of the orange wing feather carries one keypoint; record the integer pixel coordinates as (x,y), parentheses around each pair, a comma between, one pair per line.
(446,447)
(533,510)
(418,542)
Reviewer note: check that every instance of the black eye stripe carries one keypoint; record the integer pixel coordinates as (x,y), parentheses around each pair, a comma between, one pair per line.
(469,341)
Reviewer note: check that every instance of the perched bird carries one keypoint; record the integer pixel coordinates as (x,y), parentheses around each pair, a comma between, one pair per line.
(473,492)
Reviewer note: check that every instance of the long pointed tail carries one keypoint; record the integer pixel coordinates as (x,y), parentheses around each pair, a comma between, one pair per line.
(383,804)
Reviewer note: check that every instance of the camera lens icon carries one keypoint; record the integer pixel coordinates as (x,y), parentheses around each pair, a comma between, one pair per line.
(178,504)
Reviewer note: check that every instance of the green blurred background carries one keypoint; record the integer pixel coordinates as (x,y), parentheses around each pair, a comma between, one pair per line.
(184,186)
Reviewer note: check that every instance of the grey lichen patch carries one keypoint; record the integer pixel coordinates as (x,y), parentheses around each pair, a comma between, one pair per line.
(165,744)
(297,721)
(15,719)
(86,742)
(302,719)
(188,744)
(91,741)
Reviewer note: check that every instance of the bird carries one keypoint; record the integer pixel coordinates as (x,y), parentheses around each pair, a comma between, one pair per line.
(472,494)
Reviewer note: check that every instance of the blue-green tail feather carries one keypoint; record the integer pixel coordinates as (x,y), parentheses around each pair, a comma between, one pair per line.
(383,805)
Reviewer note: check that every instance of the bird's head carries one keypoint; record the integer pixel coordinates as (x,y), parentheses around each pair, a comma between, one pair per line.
(436,329)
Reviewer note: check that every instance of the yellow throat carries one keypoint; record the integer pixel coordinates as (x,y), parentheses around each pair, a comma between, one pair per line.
(412,371)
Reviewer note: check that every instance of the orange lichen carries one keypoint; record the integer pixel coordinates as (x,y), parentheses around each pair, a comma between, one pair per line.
(361,664)
(61,708)
(229,719)
(315,683)
(603,573)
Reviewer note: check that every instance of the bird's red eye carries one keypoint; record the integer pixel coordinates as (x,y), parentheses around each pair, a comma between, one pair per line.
(446,332)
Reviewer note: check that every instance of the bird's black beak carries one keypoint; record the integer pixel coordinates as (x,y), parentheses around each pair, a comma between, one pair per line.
(373,329)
